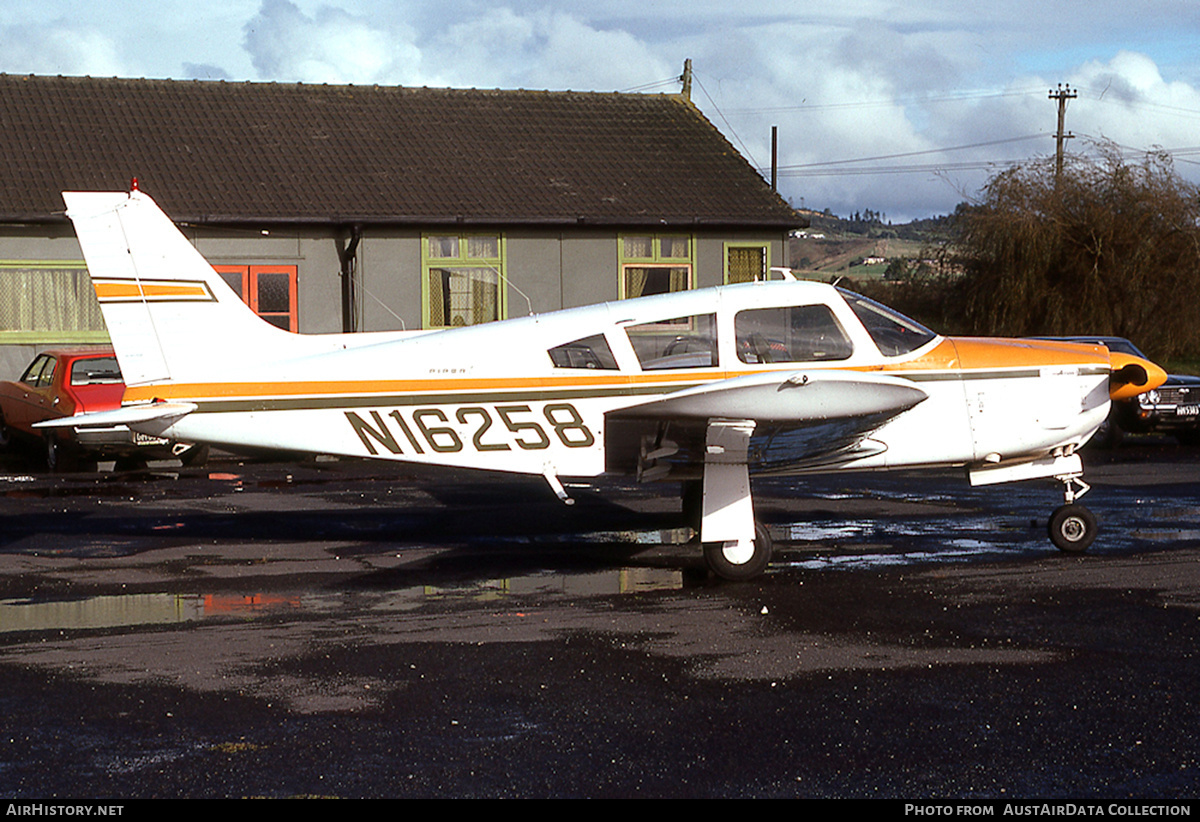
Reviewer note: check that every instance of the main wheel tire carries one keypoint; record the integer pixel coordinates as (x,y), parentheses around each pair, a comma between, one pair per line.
(1072,528)
(733,562)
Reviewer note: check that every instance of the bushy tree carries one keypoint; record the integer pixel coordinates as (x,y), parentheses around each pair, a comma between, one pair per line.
(1110,247)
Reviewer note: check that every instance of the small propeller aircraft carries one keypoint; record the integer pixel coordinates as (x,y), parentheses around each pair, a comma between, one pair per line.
(701,387)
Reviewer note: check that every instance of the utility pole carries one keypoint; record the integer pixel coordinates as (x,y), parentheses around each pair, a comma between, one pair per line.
(686,79)
(1062,95)
(774,158)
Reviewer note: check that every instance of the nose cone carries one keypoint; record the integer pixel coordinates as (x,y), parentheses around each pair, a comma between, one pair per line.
(1132,376)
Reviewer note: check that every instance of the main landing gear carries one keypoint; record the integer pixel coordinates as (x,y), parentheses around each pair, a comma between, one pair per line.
(1072,527)
(740,560)
(737,547)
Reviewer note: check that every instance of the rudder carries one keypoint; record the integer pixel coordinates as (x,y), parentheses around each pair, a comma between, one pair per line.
(170,315)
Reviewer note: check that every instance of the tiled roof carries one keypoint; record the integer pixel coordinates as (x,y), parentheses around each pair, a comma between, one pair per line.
(235,152)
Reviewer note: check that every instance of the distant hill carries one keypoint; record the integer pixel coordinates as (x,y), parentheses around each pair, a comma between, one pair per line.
(862,246)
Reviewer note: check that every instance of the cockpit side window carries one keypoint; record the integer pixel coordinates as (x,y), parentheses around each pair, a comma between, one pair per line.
(588,352)
(799,333)
(683,342)
(893,332)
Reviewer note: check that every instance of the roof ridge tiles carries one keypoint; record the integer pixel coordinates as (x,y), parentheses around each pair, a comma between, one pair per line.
(319,150)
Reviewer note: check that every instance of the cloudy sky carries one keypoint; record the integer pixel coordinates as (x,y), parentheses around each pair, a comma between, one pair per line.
(900,107)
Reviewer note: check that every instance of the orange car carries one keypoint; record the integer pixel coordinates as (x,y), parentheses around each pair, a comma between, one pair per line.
(66,382)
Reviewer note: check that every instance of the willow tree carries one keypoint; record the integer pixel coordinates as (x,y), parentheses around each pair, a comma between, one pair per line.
(1112,247)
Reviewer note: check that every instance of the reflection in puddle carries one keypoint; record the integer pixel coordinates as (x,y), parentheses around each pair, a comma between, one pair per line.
(860,529)
(100,612)
(1172,535)
(893,542)
(167,609)
(861,561)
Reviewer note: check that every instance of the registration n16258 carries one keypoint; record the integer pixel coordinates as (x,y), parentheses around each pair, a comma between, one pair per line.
(480,428)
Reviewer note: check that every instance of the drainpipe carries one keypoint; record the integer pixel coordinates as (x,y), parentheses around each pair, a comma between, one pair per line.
(348,240)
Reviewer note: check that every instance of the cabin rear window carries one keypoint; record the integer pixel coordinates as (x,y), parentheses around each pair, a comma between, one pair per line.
(96,371)
(893,332)
(799,333)
(681,342)
(589,352)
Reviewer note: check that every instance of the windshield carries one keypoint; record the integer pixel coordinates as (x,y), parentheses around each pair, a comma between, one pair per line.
(893,332)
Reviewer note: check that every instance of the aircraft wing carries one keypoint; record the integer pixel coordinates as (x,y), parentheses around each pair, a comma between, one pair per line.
(798,418)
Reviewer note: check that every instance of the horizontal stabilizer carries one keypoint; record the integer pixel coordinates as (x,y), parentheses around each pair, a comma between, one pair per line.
(786,397)
(130,415)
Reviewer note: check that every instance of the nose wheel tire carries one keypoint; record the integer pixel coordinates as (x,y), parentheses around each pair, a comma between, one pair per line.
(740,561)
(1072,528)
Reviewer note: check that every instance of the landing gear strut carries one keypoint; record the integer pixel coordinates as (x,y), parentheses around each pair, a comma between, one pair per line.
(1072,527)
(737,547)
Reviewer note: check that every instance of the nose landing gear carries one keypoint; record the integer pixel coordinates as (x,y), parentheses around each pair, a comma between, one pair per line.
(1072,527)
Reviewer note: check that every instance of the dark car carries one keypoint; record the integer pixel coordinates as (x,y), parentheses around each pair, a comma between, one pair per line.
(1172,408)
(66,382)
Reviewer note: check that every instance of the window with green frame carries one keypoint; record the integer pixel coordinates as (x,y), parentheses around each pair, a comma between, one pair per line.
(49,301)
(655,264)
(746,262)
(462,279)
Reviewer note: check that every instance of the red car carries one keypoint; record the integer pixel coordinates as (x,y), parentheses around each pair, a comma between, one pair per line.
(66,382)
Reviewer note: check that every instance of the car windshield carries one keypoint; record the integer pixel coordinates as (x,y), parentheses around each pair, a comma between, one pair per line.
(1123,347)
(893,332)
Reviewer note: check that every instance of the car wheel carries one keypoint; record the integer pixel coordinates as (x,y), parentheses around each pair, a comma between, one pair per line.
(59,456)
(5,432)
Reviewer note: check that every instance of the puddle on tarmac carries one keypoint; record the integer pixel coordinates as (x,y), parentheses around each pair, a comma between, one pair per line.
(130,610)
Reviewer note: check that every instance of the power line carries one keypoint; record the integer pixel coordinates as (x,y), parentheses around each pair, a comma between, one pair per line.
(914,168)
(669,81)
(891,101)
(914,153)
(745,150)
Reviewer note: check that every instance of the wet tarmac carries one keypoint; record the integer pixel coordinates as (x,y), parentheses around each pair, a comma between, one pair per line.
(351,629)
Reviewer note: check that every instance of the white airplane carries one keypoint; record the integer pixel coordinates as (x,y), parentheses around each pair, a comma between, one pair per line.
(702,387)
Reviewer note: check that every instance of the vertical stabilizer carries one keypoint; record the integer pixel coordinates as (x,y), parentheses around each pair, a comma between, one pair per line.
(102,239)
(170,315)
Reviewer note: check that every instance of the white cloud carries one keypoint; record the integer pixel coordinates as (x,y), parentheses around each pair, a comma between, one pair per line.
(58,48)
(331,46)
(1128,100)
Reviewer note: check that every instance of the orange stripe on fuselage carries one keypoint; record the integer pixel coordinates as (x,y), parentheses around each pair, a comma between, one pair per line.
(951,354)
(368,387)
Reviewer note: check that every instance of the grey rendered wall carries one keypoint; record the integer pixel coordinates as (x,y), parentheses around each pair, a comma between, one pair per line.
(389,278)
(37,244)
